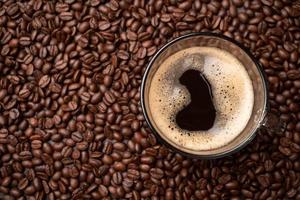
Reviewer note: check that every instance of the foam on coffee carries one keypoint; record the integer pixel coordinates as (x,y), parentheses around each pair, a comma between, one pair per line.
(232,96)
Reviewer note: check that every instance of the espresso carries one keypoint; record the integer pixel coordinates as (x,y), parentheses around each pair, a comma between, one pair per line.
(214,115)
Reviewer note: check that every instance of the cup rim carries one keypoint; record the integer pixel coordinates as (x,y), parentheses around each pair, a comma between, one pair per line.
(264,84)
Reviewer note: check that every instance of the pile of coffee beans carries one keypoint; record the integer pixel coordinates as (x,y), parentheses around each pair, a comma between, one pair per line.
(71,125)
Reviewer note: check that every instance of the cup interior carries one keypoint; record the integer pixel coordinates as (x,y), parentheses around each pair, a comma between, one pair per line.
(252,67)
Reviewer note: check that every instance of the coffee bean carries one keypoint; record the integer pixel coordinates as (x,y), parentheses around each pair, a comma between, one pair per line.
(185,5)
(232,11)
(83,27)
(55,88)
(29,190)
(104,25)
(247,193)
(267,2)
(77,137)
(14,113)
(243,17)
(123,55)
(23,184)
(294,56)
(232,185)
(66,16)
(283,54)
(107,80)
(37,184)
(15,192)
(117,178)
(44,81)
(156,173)
(293,74)
(24,41)
(60,65)
(119,166)
(72,93)
(109,97)
(24,93)
(96,98)
(12,9)
(103,190)
(72,105)
(263,180)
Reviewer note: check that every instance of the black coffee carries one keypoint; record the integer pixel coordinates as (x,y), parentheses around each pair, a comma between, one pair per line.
(200,113)
(201,98)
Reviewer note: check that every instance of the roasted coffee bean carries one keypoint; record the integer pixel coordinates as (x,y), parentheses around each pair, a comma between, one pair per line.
(66,16)
(104,25)
(71,123)
(23,184)
(24,41)
(44,81)
(103,190)
(156,173)
(117,178)
(24,93)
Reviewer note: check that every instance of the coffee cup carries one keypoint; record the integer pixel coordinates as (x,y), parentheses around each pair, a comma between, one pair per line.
(204,95)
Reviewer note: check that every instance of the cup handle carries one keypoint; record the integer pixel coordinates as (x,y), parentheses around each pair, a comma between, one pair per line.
(273,123)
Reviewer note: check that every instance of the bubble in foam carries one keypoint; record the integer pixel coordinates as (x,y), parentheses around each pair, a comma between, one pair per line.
(227,77)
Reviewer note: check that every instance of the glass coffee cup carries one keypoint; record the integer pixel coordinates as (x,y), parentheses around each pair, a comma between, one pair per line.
(260,116)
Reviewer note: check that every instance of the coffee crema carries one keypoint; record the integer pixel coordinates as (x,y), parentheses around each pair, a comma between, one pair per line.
(232,93)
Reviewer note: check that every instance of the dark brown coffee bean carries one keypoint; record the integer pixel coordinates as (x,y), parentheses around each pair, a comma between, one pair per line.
(232,11)
(72,105)
(232,185)
(60,65)
(24,41)
(123,55)
(104,25)
(294,56)
(133,174)
(131,36)
(117,178)
(83,27)
(77,137)
(119,166)
(44,81)
(61,7)
(23,184)
(69,99)
(24,93)
(107,80)
(243,17)
(15,192)
(109,97)
(247,193)
(29,190)
(156,173)
(263,180)
(283,54)
(12,9)
(103,190)
(36,144)
(14,113)
(186,5)
(66,16)
(267,2)
(96,98)
(37,184)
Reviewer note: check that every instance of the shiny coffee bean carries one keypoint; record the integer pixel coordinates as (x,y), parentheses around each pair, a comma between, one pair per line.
(71,124)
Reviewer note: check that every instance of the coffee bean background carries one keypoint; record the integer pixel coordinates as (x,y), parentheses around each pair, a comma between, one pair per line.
(71,125)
